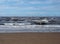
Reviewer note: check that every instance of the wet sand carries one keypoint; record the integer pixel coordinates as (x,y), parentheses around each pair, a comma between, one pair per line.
(30,38)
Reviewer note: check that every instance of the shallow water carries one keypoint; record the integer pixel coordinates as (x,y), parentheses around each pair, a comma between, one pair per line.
(30,28)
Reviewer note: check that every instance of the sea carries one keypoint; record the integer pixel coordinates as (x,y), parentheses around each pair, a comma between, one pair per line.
(29,28)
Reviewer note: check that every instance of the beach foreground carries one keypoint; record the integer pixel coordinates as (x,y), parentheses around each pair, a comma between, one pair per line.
(30,38)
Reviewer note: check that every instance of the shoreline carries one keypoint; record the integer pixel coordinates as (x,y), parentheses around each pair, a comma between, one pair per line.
(29,28)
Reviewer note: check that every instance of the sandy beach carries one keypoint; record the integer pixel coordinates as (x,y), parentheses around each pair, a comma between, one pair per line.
(30,38)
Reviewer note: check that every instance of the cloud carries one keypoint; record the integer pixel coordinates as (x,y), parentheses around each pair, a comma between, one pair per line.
(39,2)
(28,13)
(45,2)
(11,2)
(49,8)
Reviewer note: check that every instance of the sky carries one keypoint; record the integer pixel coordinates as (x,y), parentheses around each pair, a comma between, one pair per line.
(29,7)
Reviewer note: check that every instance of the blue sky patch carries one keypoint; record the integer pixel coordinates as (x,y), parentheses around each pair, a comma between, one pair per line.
(29,7)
